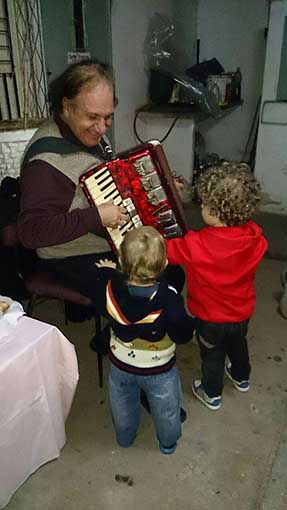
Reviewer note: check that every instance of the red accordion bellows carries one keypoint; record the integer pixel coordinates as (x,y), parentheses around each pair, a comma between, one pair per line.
(139,179)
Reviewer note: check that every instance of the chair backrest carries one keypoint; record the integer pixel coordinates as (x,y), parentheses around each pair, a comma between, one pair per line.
(37,282)
(24,258)
(11,282)
(9,236)
(9,200)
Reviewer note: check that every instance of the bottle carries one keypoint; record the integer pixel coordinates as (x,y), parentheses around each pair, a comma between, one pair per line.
(214,88)
(230,91)
(238,80)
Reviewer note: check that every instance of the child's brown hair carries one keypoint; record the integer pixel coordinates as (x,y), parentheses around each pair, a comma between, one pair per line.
(142,255)
(230,191)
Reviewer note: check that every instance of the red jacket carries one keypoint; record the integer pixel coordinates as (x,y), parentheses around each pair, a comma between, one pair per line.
(220,263)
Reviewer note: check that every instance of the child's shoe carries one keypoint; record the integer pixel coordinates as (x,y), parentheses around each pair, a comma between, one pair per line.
(212,403)
(242,386)
(167,450)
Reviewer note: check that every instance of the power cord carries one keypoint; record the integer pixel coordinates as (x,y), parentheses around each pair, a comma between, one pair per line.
(136,132)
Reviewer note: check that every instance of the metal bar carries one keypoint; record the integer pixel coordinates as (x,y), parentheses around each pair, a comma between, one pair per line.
(3,101)
(7,96)
(12,94)
(22,52)
(17,64)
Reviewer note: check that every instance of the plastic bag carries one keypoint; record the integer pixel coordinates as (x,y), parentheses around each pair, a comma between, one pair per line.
(158,43)
(199,94)
(164,57)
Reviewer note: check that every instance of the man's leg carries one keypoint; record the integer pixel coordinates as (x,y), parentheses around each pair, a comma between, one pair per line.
(81,273)
(78,274)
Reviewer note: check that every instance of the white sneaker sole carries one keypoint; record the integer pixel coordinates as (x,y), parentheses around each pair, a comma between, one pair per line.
(199,397)
(238,388)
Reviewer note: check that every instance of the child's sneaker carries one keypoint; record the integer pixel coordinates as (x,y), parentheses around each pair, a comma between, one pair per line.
(213,403)
(167,450)
(242,386)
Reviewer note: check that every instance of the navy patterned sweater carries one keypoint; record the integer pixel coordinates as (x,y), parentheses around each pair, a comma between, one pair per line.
(146,323)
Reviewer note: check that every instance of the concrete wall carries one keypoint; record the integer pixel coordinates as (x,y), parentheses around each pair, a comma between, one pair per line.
(130,20)
(98,27)
(59,32)
(118,35)
(271,157)
(233,32)
(132,76)
(185,19)
(59,39)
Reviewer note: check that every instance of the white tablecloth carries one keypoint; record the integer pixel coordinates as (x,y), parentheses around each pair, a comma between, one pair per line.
(38,378)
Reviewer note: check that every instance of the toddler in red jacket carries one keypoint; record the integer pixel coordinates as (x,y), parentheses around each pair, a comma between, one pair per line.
(220,261)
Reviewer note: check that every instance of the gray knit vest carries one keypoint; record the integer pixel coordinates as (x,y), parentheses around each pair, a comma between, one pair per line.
(72,166)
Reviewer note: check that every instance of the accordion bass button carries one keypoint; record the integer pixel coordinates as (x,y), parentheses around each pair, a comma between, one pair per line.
(150,181)
(139,168)
(127,201)
(137,221)
(156,196)
(129,205)
(144,165)
(172,231)
(148,164)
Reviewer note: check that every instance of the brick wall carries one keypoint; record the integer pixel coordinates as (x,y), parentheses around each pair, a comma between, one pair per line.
(12,146)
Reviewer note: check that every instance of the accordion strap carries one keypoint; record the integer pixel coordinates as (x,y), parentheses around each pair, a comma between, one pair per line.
(57,145)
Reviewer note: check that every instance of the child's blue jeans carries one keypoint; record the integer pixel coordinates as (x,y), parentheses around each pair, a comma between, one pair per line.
(163,392)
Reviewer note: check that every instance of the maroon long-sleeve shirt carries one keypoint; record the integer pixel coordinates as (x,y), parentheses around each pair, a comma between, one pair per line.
(46,196)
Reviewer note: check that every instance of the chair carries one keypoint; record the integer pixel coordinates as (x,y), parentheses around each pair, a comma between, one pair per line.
(41,284)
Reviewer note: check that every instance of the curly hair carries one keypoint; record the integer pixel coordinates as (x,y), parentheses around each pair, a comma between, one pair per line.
(230,191)
(142,255)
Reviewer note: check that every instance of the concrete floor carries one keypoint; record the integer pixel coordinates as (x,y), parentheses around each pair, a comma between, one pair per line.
(235,458)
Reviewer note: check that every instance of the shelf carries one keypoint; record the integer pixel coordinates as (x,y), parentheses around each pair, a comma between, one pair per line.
(184,110)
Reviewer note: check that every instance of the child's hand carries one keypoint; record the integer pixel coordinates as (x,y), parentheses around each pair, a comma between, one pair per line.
(177,180)
(106,263)
(178,183)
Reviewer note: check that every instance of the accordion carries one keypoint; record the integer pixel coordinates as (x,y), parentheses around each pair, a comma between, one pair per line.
(139,179)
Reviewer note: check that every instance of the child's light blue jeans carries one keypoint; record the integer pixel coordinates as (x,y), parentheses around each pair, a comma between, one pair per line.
(163,392)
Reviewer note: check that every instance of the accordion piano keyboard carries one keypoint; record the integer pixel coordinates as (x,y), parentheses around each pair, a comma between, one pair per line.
(103,189)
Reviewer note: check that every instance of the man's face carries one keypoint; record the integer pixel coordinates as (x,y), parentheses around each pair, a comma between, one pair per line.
(90,113)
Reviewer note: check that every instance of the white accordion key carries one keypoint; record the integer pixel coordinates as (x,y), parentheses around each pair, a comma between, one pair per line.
(117,200)
(102,187)
(117,234)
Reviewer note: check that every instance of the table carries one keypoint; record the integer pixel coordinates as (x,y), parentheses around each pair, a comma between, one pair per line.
(38,378)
